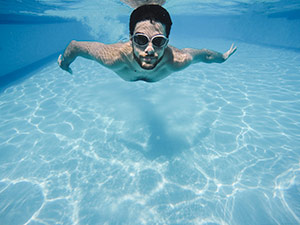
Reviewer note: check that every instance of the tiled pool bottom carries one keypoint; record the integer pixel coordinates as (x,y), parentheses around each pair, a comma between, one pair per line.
(212,144)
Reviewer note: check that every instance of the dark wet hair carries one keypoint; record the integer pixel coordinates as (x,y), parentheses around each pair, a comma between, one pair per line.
(152,13)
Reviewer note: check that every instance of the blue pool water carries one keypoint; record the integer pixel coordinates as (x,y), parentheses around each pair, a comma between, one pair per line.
(213,144)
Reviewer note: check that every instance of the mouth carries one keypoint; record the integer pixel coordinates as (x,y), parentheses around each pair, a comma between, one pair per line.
(148,59)
(147,62)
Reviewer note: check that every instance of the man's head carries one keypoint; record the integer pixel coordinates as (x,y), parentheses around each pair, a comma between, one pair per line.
(153,13)
(149,29)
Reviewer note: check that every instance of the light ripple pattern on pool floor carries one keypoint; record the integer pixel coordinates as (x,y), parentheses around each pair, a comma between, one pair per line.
(212,144)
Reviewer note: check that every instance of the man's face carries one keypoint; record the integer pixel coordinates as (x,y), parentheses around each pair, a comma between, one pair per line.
(149,55)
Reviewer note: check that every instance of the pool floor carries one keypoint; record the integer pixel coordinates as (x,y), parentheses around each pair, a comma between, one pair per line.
(213,144)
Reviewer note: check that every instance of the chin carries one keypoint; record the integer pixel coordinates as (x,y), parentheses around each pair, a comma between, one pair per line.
(148,66)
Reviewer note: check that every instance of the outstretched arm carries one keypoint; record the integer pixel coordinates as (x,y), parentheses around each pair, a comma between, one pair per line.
(209,56)
(107,55)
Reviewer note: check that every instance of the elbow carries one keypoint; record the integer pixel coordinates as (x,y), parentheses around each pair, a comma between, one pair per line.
(71,51)
(73,45)
(73,42)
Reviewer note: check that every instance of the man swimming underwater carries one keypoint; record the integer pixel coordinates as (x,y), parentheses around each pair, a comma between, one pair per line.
(147,56)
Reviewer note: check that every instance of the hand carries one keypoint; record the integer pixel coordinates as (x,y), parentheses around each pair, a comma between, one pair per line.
(232,50)
(63,65)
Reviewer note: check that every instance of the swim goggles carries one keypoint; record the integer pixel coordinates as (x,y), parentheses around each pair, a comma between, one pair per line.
(158,40)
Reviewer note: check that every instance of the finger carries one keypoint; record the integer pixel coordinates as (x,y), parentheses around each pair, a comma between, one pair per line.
(59,60)
(235,48)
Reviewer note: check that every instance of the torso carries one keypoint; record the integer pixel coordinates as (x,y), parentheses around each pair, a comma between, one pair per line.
(131,71)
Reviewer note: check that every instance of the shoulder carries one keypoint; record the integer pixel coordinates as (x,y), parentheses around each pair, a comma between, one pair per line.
(114,55)
(179,58)
(118,49)
(120,45)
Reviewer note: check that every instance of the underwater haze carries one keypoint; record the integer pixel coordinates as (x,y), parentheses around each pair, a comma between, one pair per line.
(214,144)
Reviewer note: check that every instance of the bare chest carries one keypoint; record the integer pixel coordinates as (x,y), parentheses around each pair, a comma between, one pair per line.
(132,74)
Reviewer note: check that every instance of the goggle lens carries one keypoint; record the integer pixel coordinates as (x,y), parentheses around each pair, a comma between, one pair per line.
(159,41)
(140,39)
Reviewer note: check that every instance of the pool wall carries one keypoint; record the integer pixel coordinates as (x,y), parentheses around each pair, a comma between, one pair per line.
(27,40)
(272,31)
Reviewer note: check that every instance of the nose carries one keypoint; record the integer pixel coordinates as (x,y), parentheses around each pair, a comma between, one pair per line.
(149,49)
